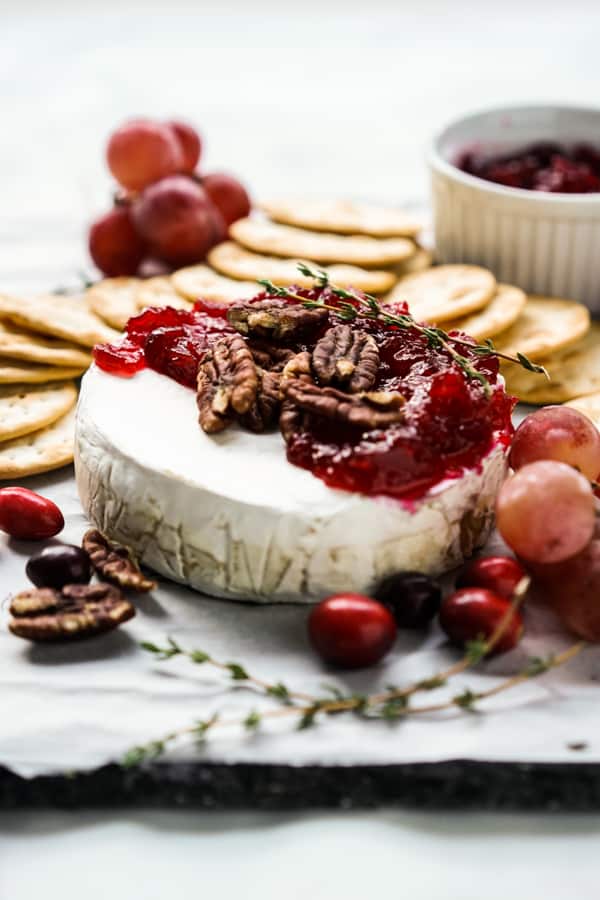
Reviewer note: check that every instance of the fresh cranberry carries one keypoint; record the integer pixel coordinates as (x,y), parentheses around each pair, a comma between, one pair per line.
(29,516)
(124,359)
(475,613)
(351,630)
(500,574)
(413,598)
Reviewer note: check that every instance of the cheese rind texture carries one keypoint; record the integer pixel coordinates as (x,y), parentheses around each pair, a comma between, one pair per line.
(228,515)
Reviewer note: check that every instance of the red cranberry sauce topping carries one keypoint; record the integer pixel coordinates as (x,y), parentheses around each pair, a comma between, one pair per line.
(170,341)
(539,167)
(450,422)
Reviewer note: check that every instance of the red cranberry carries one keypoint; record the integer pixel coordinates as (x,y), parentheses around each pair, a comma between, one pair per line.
(214,308)
(413,598)
(56,566)
(500,574)
(28,516)
(475,613)
(351,630)
(124,359)
(139,327)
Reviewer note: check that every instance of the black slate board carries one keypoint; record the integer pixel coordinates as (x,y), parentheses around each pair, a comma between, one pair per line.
(455,784)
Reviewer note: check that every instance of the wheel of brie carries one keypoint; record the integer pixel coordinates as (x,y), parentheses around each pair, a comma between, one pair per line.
(388,457)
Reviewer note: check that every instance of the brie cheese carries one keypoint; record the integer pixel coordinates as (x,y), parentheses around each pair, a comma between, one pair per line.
(229,515)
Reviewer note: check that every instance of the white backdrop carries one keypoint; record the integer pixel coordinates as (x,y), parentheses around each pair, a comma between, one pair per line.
(314,96)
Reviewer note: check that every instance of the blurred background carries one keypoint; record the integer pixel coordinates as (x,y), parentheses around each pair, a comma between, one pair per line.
(318,97)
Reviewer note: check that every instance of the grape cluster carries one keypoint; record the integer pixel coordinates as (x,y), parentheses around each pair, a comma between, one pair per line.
(166,212)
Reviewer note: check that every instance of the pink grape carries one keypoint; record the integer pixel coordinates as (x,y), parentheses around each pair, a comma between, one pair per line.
(189,143)
(572,589)
(114,243)
(141,151)
(228,195)
(177,220)
(561,433)
(545,511)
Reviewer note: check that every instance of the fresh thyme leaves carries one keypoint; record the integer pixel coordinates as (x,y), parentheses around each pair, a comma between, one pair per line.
(392,704)
(356,304)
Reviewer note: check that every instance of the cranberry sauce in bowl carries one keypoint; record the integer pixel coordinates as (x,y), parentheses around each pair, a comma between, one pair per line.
(542,166)
(450,421)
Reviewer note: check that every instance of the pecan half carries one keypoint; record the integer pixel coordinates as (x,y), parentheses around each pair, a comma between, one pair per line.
(263,413)
(292,418)
(114,562)
(227,383)
(269,356)
(275,319)
(78,611)
(346,358)
(369,410)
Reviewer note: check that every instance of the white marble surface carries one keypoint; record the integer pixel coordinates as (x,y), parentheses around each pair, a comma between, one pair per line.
(337,96)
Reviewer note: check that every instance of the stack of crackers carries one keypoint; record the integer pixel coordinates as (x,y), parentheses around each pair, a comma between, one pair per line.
(45,342)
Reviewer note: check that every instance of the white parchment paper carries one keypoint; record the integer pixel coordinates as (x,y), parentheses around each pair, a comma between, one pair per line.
(77,706)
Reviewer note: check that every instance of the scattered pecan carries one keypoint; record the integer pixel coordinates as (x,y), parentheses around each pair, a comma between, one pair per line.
(114,562)
(263,413)
(368,410)
(275,319)
(346,358)
(227,383)
(292,418)
(76,612)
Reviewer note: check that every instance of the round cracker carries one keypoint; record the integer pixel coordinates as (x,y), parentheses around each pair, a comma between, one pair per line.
(17,343)
(503,309)
(202,281)
(66,317)
(422,260)
(114,300)
(342,217)
(546,324)
(22,373)
(24,408)
(574,372)
(238,262)
(160,291)
(272,239)
(41,451)
(589,406)
(444,293)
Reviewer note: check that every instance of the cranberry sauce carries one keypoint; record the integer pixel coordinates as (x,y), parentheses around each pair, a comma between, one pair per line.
(170,341)
(544,166)
(450,421)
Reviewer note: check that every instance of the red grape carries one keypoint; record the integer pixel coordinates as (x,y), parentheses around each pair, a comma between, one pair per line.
(176,217)
(142,151)
(189,143)
(114,243)
(558,432)
(228,195)
(545,511)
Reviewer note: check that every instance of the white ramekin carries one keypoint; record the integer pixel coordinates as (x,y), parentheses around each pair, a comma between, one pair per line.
(545,243)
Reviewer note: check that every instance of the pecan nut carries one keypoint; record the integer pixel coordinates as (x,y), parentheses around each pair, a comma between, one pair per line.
(275,319)
(346,358)
(378,409)
(227,383)
(265,410)
(269,356)
(114,562)
(77,611)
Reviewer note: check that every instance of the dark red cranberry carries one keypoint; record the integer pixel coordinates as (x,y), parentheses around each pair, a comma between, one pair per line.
(475,613)
(351,630)
(413,598)
(56,566)
(500,574)
(124,359)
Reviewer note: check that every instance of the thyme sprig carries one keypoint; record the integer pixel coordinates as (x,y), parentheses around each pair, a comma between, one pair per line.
(392,704)
(354,304)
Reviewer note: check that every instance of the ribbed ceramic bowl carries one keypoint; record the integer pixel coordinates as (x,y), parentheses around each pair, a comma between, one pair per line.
(545,243)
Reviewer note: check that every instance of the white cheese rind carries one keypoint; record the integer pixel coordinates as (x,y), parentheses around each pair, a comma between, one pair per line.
(229,516)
